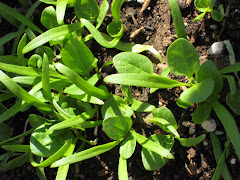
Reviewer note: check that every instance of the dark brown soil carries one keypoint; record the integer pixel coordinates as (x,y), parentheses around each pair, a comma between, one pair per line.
(190,163)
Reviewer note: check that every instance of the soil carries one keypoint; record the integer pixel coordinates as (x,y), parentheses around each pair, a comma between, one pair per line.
(156,29)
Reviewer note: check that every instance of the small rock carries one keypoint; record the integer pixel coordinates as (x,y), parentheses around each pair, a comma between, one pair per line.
(141,1)
(219,133)
(214,26)
(217,48)
(209,125)
(233,161)
(205,143)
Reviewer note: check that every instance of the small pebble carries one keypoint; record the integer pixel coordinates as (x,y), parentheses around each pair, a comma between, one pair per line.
(141,1)
(205,143)
(214,26)
(209,125)
(219,133)
(233,161)
(217,48)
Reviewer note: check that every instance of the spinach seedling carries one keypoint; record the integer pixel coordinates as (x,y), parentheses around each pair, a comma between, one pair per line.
(206,6)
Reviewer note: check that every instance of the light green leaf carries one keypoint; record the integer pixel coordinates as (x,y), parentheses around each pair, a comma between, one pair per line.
(231,68)
(122,169)
(45,79)
(115,9)
(87,9)
(17,148)
(48,18)
(199,17)
(60,10)
(128,62)
(51,35)
(128,146)
(143,80)
(86,154)
(102,13)
(115,106)
(142,106)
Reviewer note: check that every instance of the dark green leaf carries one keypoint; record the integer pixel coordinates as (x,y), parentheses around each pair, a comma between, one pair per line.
(182,58)
(187,142)
(117,127)
(78,57)
(4,132)
(233,101)
(153,161)
(87,9)
(45,143)
(229,125)
(17,148)
(216,15)
(202,112)
(208,70)
(198,92)
(231,68)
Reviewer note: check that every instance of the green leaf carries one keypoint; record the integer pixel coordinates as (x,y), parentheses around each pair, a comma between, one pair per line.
(21,93)
(177,19)
(60,10)
(4,132)
(86,154)
(8,37)
(166,114)
(48,18)
(182,58)
(128,146)
(17,148)
(151,160)
(57,155)
(231,68)
(16,162)
(202,112)
(115,106)
(199,17)
(142,106)
(45,79)
(208,70)
(218,153)
(122,169)
(45,143)
(50,35)
(36,120)
(143,80)
(126,90)
(187,142)
(87,9)
(229,125)
(78,57)
(117,127)
(115,29)
(166,126)
(217,16)
(98,36)
(81,83)
(75,121)
(233,99)
(53,2)
(128,62)
(198,92)
(12,12)
(153,146)
(204,5)
(102,13)
(115,9)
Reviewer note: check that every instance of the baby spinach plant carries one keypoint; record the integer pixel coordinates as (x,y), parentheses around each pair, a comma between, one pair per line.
(206,6)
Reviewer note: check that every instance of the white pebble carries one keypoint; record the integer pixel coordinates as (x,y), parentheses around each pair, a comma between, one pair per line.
(219,133)
(233,161)
(141,1)
(209,125)
(217,48)
(205,143)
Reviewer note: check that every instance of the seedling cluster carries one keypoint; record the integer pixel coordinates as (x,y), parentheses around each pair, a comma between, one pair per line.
(62,87)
